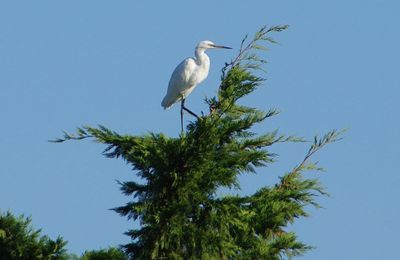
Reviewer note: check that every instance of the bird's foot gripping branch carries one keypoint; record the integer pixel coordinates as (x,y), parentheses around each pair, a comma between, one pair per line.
(177,201)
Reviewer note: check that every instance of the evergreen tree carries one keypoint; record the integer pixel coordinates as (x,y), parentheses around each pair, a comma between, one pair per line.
(176,203)
(19,241)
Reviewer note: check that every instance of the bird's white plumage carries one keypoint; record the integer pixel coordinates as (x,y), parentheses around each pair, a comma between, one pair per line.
(188,74)
(183,81)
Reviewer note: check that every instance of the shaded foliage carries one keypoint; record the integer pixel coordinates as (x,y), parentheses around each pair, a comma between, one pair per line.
(19,241)
(104,254)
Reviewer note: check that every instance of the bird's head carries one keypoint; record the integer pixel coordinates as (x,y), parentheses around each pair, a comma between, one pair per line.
(210,45)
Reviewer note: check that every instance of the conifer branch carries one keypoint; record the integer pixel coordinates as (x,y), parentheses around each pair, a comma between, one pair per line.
(318,144)
(261,35)
(81,133)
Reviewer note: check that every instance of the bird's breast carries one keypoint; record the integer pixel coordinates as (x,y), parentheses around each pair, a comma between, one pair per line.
(201,72)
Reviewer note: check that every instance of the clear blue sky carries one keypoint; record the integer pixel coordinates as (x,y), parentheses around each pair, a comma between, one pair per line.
(64,64)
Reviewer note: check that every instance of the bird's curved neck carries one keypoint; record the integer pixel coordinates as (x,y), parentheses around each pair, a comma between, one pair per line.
(201,56)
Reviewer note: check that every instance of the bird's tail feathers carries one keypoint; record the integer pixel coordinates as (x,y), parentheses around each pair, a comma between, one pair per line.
(168,102)
(165,104)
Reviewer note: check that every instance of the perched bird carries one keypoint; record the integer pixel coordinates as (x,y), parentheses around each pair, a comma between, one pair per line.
(187,75)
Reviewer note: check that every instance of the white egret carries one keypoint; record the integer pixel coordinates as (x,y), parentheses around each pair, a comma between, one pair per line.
(187,75)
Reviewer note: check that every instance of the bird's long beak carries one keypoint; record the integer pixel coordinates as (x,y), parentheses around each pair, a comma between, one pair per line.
(221,47)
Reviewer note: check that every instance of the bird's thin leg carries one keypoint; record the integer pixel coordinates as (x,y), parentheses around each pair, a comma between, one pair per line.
(182,106)
(190,112)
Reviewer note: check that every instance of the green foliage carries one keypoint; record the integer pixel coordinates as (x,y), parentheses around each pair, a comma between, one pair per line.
(176,202)
(19,241)
(104,254)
